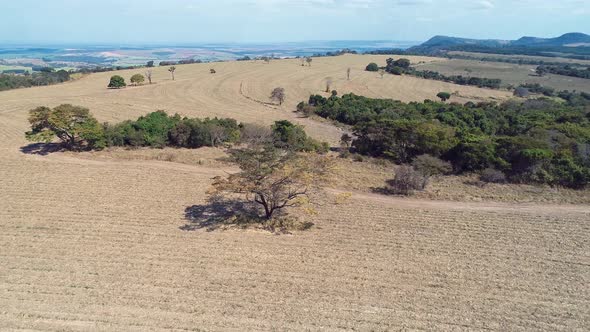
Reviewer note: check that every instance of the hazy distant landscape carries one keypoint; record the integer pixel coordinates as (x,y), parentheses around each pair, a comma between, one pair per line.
(15,57)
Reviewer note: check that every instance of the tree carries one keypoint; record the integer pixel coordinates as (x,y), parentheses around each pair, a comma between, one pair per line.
(444,96)
(117,82)
(402,63)
(172,70)
(150,64)
(381,73)
(278,94)
(148,75)
(328,84)
(372,67)
(73,125)
(348,74)
(273,178)
(309,60)
(137,79)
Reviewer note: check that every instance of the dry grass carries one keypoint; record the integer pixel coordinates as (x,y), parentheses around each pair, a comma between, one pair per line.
(94,241)
(509,73)
(365,177)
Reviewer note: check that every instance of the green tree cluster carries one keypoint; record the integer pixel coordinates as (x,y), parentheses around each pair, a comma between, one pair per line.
(532,141)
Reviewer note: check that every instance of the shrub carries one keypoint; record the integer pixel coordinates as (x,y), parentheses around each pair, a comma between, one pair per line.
(334,93)
(431,166)
(407,180)
(372,67)
(396,71)
(117,82)
(490,175)
(444,96)
(521,92)
(137,79)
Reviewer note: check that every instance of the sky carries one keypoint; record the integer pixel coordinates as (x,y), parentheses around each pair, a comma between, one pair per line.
(255,21)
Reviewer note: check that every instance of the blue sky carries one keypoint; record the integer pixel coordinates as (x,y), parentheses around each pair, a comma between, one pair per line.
(196,21)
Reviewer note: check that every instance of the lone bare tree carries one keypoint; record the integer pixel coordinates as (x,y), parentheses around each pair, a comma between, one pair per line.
(381,73)
(348,73)
(273,178)
(309,60)
(148,75)
(172,70)
(278,94)
(328,84)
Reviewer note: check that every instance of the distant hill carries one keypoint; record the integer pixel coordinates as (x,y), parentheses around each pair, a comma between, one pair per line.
(573,39)
(575,44)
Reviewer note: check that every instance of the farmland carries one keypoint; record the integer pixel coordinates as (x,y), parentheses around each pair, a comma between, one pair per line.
(94,241)
(509,73)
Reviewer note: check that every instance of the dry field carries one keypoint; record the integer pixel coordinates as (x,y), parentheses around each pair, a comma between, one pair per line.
(509,73)
(94,241)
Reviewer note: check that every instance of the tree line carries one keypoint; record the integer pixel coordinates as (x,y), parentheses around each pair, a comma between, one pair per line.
(403,66)
(532,141)
(565,70)
(47,76)
(77,129)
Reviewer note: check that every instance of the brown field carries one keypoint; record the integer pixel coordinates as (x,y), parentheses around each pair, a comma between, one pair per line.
(94,241)
(509,73)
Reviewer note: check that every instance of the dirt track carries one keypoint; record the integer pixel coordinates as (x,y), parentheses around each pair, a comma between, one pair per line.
(97,245)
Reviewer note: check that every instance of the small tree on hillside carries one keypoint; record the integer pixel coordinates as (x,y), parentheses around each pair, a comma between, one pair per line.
(148,75)
(372,67)
(278,95)
(150,64)
(117,82)
(328,84)
(73,125)
(137,79)
(273,178)
(348,74)
(172,70)
(444,96)
(309,60)
(381,73)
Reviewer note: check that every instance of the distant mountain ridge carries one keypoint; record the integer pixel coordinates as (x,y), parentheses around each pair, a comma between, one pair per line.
(440,43)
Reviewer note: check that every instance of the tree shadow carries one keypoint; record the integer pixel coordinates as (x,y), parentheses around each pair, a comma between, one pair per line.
(218,213)
(42,149)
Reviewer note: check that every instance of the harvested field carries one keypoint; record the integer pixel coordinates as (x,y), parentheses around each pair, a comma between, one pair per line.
(94,241)
(509,73)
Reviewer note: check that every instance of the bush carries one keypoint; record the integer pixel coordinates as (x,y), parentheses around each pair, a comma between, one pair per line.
(117,82)
(372,67)
(490,175)
(431,166)
(137,79)
(407,180)
(444,96)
